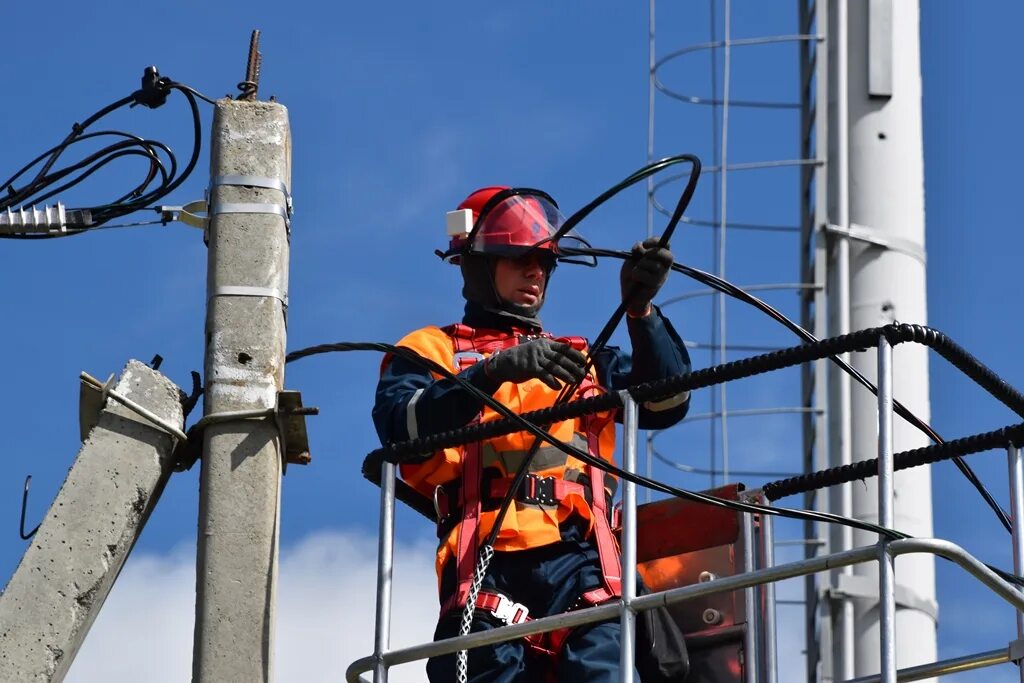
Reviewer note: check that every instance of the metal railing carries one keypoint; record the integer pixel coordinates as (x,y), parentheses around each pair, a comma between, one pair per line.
(756,582)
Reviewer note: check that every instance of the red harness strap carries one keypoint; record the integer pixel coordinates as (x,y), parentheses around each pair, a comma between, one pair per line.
(470,345)
(607,549)
(469,540)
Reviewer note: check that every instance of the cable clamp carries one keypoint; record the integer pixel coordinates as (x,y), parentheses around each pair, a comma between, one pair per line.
(876,237)
(289,416)
(255,181)
(186,214)
(249,290)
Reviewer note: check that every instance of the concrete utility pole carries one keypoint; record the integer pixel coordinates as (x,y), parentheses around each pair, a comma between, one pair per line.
(67,572)
(247,284)
(876,175)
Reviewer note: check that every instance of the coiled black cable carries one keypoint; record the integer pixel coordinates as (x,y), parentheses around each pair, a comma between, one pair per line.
(161,177)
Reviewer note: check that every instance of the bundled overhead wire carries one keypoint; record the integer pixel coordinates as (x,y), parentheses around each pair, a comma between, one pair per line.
(732,290)
(43,178)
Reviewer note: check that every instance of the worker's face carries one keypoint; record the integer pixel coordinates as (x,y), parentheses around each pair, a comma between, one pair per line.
(521,281)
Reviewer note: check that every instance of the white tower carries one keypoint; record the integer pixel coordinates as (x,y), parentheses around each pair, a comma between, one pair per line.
(877,275)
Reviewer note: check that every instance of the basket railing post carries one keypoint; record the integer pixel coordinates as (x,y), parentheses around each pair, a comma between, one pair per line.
(751,639)
(385,567)
(630,413)
(1016,467)
(886,561)
(768,597)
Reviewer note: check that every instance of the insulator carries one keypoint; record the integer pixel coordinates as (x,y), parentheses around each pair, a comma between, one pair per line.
(47,219)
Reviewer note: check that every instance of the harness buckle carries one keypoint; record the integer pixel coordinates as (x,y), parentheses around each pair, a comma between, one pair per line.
(510,612)
(539,491)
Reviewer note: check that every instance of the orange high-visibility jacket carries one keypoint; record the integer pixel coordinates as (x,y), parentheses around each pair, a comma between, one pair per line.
(525,525)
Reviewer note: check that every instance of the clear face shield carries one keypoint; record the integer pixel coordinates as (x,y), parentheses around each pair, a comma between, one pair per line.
(515,222)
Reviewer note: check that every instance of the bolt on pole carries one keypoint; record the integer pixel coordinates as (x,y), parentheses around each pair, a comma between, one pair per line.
(247,284)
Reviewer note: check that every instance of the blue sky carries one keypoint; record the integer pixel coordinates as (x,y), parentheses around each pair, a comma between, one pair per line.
(397,112)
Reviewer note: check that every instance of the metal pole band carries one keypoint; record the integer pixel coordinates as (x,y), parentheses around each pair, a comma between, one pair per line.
(254,181)
(247,290)
(218,208)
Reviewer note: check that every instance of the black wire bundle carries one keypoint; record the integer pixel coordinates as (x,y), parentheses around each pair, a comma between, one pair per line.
(732,290)
(25,189)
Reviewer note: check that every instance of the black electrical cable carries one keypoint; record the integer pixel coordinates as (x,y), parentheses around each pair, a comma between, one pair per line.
(569,390)
(736,292)
(540,434)
(568,449)
(161,178)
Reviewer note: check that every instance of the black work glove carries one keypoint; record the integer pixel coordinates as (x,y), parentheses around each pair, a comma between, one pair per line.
(543,358)
(643,274)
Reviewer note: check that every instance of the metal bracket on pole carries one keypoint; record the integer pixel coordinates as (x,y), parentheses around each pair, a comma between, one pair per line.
(96,394)
(289,415)
(863,233)
(186,214)
(291,418)
(91,399)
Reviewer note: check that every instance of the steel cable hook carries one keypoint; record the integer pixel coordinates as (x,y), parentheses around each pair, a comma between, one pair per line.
(24,505)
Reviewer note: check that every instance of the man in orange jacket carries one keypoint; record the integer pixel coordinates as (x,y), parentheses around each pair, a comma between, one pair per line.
(554,551)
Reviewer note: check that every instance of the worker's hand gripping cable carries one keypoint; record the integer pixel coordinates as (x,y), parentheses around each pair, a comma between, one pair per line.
(549,361)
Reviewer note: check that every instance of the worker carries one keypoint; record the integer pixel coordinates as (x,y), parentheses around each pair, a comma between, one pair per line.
(555,551)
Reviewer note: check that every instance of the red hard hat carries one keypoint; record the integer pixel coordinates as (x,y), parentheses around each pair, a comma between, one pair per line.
(478,198)
(511,224)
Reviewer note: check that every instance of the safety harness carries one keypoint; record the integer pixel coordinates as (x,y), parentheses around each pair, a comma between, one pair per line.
(455,503)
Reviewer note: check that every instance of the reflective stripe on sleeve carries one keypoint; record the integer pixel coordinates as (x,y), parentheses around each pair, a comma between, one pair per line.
(410,415)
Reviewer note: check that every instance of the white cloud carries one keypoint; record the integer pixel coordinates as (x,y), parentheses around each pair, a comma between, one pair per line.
(325,613)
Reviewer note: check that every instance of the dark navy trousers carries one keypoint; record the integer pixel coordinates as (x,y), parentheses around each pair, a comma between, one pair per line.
(547,580)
